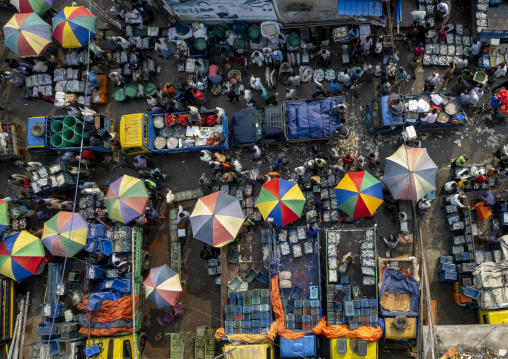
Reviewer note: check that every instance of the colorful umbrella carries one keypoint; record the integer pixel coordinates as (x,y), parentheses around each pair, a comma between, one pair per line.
(162,287)
(410,173)
(359,194)
(217,219)
(38,6)
(280,202)
(27,35)
(4,217)
(74,26)
(126,199)
(65,234)
(21,255)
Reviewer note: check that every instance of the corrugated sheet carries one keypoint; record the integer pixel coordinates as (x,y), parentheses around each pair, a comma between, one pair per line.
(360,7)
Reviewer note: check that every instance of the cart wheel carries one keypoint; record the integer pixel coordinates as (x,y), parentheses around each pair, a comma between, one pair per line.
(146,259)
(141,342)
(37,130)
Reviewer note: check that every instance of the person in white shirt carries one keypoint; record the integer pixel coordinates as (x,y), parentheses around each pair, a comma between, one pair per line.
(464,98)
(120,41)
(479,91)
(220,114)
(247,96)
(443,9)
(290,94)
(451,186)
(325,58)
(116,77)
(162,48)
(424,205)
(454,199)
(500,72)
(257,58)
(431,117)
(181,47)
(300,171)
(267,53)
(475,50)
(366,44)
(434,80)
(295,80)
(182,215)
(256,84)
(239,167)
(461,64)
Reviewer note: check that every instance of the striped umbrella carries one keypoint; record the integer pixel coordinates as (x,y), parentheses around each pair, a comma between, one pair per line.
(410,173)
(4,217)
(27,35)
(162,287)
(126,199)
(38,6)
(280,202)
(359,194)
(21,255)
(74,26)
(217,219)
(65,234)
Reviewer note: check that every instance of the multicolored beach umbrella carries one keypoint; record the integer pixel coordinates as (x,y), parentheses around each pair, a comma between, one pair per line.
(359,194)
(126,199)
(4,217)
(27,35)
(21,255)
(74,26)
(410,173)
(37,6)
(162,287)
(65,234)
(217,219)
(280,202)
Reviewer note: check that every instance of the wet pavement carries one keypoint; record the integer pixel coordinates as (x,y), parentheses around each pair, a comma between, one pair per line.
(202,297)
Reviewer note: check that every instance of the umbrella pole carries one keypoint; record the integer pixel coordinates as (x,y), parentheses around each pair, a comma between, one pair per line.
(133,297)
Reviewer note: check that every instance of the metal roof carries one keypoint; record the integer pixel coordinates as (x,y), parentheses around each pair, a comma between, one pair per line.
(360,7)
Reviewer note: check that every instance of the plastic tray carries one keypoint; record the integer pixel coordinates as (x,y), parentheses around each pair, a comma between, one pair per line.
(251,275)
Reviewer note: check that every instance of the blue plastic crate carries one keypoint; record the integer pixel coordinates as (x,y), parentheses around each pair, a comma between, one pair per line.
(349,308)
(296,292)
(255,316)
(306,318)
(247,309)
(92,350)
(122,285)
(290,317)
(354,325)
(262,277)
(290,325)
(372,303)
(344,279)
(114,295)
(94,245)
(339,323)
(447,276)
(447,267)
(54,347)
(265,300)
(298,304)
(255,330)
(228,331)
(373,324)
(314,303)
(232,298)
(256,308)
(264,307)
(237,309)
(364,311)
(357,312)
(94,304)
(45,330)
(246,316)
(373,318)
(465,256)
(264,315)
(107,247)
(265,323)
(246,324)
(364,303)
(255,323)
(356,304)
(314,292)
(445,259)
(471,292)
(95,272)
(338,307)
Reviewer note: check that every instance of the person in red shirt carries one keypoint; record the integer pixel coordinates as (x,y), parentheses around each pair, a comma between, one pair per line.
(441,35)
(198,95)
(348,161)
(482,179)
(411,36)
(419,51)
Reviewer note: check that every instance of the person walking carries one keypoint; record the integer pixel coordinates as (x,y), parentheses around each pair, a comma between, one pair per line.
(366,45)
(410,36)
(231,95)
(348,161)
(247,96)
(419,51)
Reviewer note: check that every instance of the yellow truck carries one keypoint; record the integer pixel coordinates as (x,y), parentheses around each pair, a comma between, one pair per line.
(250,351)
(121,347)
(347,348)
(493,316)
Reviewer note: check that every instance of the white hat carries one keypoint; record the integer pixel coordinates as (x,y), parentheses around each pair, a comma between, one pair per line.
(178,42)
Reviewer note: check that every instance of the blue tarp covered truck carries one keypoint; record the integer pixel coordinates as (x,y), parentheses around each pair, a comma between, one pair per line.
(293,121)
(381,120)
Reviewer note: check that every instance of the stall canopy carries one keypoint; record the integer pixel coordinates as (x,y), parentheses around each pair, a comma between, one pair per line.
(126,199)
(38,6)
(65,234)
(360,7)
(74,26)
(21,255)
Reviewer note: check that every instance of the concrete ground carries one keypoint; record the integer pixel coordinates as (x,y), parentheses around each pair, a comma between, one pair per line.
(477,139)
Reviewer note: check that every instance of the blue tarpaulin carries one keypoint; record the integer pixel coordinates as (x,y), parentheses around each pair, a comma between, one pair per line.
(360,7)
(315,124)
(291,115)
(394,282)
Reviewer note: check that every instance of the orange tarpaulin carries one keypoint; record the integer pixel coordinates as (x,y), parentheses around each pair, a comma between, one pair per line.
(110,311)
(342,331)
(249,338)
(482,210)
(279,312)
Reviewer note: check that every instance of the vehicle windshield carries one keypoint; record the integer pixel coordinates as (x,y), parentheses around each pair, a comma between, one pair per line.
(259,123)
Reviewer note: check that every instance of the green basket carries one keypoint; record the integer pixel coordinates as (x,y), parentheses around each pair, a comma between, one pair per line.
(254,31)
(200,44)
(251,275)
(119,95)
(294,39)
(150,89)
(130,90)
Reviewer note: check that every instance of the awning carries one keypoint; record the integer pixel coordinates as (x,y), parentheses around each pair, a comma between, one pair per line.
(360,7)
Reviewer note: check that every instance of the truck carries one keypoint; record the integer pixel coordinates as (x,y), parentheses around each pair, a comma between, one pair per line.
(293,121)
(299,272)
(351,292)
(381,120)
(140,132)
(8,311)
(46,134)
(13,146)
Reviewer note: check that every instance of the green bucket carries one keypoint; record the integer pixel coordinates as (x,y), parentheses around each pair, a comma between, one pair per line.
(69,136)
(254,31)
(294,39)
(130,90)
(58,141)
(70,121)
(200,44)
(150,89)
(57,126)
(119,95)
